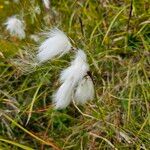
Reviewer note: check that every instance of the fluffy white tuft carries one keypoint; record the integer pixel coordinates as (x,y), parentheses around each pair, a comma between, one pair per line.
(16,27)
(70,78)
(37,10)
(78,69)
(34,37)
(57,43)
(84,91)
(62,97)
(46,4)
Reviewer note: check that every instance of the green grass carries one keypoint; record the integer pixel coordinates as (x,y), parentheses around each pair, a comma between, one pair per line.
(116,38)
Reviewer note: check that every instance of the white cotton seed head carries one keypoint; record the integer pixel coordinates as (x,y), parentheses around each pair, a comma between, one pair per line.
(34,37)
(46,4)
(16,27)
(84,90)
(78,69)
(57,43)
(16,1)
(37,10)
(72,77)
(62,97)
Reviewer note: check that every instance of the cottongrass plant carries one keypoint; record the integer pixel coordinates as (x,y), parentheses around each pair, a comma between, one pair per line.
(16,27)
(46,4)
(57,43)
(35,38)
(76,83)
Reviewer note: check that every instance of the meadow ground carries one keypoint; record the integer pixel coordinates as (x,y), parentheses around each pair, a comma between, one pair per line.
(115,34)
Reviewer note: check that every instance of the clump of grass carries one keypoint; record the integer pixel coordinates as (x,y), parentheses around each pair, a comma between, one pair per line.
(115,36)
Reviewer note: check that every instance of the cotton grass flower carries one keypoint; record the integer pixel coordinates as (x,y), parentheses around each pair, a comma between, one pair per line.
(34,37)
(46,4)
(84,91)
(57,43)
(73,77)
(16,27)
(62,98)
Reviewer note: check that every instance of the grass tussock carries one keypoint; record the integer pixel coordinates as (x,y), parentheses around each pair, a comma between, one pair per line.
(116,37)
